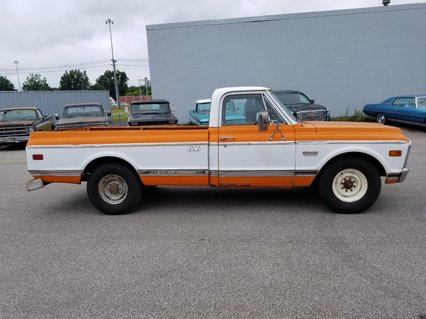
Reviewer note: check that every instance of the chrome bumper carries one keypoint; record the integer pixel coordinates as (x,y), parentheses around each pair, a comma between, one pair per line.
(397,178)
(34,184)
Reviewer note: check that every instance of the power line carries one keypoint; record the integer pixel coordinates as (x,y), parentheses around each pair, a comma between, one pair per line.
(82,65)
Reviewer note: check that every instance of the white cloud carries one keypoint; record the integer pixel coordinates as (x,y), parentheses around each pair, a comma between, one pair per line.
(50,36)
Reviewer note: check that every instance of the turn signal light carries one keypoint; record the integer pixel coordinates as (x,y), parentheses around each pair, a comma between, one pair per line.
(395,153)
(38,157)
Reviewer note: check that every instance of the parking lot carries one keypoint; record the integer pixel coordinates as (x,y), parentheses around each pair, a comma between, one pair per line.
(212,253)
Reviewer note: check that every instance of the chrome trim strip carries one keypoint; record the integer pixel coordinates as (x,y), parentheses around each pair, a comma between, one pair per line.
(265,143)
(117,145)
(56,173)
(350,142)
(253,173)
(173,173)
(189,172)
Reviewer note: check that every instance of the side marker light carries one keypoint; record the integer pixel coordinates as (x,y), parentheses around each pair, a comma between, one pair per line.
(38,157)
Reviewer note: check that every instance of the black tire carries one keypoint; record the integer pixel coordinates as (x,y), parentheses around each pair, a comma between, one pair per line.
(349,185)
(381,118)
(114,189)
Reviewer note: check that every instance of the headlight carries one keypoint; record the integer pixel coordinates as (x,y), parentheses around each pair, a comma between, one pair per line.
(31,129)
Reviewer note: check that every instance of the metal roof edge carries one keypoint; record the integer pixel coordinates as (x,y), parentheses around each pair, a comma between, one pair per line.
(303,15)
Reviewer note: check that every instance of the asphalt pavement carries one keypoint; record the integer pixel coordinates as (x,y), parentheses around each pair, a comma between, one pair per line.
(211,253)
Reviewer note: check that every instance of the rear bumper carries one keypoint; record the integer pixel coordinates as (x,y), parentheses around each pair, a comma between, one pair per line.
(34,184)
(397,178)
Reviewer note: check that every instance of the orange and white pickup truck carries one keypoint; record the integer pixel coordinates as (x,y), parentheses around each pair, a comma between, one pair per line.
(264,146)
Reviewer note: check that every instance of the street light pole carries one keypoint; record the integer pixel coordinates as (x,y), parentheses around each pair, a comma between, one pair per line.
(109,22)
(17,74)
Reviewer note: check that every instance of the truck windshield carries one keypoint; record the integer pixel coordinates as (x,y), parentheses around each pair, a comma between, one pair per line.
(150,108)
(203,107)
(83,110)
(17,115)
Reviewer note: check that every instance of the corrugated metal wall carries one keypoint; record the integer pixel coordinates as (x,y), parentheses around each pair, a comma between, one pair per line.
(342,59)
(51,102)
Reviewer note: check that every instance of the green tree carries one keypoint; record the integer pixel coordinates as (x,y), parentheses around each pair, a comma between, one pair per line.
(136,90)
(35,82)
(5,84)
(74,80)
(106,82)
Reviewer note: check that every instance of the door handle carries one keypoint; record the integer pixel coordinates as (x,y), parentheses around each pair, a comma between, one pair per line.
(227,138)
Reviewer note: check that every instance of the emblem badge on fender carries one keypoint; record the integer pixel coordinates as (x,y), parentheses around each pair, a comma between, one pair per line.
(310,153)
(193,149)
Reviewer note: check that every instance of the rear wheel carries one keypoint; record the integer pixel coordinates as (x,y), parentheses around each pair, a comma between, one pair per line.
(114,189)
(349,185)
(381,118)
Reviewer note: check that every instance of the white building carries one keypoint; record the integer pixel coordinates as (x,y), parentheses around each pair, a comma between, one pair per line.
(342,59)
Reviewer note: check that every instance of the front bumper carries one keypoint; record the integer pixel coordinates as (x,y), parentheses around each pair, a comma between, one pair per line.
(14,139)
(397,178)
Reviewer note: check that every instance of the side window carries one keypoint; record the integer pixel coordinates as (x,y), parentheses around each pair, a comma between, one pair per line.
(404,102)
(241,109)
(39,114)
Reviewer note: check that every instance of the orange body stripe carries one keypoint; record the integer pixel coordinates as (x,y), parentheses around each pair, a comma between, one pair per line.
(60,179)
(175,180)
(303,181)
(258,181)
(308,131)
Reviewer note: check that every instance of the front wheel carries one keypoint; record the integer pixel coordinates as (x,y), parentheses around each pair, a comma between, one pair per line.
(114,189)
(349,185)
(381,118)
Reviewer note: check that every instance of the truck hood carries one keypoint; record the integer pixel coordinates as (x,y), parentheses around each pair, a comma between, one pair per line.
(81,120)
(348,131)
(17,123)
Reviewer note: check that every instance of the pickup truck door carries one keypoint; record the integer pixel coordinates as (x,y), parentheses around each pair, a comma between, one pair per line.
(248,156)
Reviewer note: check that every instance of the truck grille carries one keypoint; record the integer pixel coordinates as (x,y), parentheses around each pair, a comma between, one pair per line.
(13,131)
(312,115)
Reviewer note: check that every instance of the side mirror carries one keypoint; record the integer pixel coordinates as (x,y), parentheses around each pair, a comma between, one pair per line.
(263,121)
(108,113)
(56,116)
(312,101)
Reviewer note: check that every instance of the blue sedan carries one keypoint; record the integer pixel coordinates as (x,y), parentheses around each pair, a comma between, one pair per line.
(404,108)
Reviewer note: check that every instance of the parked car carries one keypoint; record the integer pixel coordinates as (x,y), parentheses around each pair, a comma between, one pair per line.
(151,112)
(403,108)
(200,116)
(302,107)
(16,124)
(82,115)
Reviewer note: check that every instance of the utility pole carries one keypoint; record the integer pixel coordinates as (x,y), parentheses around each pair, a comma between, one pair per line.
(140,89)
(17,74)
(146,87)
(117,96)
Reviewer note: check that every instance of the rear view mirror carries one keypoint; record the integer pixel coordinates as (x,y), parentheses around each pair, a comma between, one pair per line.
(263,121)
